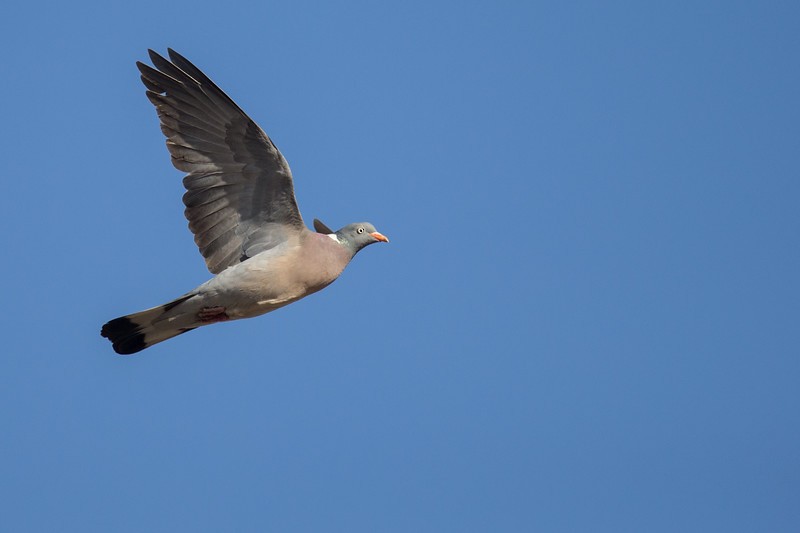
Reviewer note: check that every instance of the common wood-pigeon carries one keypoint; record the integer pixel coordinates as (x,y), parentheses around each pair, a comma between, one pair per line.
(241,209)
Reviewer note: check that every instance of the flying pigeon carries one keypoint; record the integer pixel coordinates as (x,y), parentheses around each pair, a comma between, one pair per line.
(241,209)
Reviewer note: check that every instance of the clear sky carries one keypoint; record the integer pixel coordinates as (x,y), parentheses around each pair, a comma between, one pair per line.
(586,319)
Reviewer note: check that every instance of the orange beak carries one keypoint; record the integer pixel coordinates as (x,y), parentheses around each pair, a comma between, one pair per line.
(379,237)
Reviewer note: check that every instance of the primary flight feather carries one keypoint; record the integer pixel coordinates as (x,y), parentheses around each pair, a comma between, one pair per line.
(241,209)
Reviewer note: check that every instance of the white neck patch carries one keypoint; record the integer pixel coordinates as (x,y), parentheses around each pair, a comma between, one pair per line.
(333,236)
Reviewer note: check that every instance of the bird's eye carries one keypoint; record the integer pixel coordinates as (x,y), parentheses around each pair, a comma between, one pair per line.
(361,230)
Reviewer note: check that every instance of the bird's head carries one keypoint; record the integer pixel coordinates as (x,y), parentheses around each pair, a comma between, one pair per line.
(353,236)
(357,236)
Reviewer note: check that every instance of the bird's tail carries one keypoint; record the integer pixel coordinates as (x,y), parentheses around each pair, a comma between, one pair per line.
(133,333)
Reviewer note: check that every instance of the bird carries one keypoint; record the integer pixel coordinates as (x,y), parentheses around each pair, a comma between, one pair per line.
(241,208)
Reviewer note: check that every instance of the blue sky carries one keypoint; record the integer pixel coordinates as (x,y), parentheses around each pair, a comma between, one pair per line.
(586,319)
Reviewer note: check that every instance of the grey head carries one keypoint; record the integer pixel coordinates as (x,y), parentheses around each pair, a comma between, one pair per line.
(353,236)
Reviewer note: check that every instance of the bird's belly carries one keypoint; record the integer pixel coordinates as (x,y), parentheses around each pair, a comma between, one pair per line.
(259,300)
(302,289)
(253,288)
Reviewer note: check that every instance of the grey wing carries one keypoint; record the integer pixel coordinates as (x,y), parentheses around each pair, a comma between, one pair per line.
(320,227)
(239,193)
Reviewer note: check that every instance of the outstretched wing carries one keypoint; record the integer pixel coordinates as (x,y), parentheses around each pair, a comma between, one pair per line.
(239,194)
